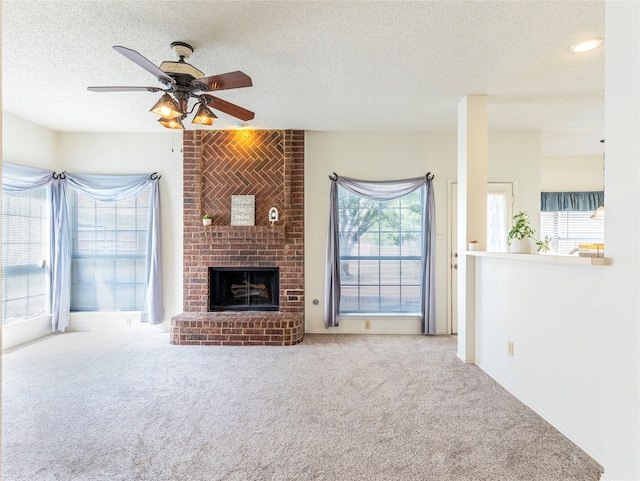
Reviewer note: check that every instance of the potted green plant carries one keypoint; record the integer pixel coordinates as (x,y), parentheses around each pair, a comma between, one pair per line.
(544,244)
(206,219)
(521,234)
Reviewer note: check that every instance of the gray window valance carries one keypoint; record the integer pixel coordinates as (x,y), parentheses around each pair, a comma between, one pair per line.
(571,201)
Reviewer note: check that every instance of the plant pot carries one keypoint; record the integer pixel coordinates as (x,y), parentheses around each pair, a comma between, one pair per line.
(520,246)
(206,221)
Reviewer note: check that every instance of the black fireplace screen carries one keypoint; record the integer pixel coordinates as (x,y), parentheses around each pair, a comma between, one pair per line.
(244,289)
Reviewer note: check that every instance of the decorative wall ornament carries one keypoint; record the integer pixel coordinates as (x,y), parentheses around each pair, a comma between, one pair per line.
(274,215)
(243,210)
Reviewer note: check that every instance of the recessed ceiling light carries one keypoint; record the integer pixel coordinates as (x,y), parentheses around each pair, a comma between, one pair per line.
(586,45)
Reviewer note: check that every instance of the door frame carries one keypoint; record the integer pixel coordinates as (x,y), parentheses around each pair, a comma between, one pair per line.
(450,250)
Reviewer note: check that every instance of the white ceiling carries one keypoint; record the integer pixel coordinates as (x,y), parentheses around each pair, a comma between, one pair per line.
(321,65)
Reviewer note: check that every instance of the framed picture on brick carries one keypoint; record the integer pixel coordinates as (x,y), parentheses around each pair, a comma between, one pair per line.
(243,210)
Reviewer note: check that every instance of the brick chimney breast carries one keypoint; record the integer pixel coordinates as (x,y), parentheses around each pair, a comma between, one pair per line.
(268,164)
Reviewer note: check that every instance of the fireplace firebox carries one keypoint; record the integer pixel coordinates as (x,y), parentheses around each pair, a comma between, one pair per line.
(244,289)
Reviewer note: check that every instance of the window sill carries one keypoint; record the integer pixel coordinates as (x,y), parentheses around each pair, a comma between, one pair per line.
(369,315)
(542,258)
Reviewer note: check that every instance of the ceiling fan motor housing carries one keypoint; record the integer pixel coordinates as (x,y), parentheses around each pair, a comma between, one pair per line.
(181,49)
(181,71)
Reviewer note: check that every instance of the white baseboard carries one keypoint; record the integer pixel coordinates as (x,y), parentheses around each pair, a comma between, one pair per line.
(368,331)
(111,321)
(27,330)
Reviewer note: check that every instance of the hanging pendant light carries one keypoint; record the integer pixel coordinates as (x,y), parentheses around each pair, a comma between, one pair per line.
(175,123)
(166,107)
(204,116)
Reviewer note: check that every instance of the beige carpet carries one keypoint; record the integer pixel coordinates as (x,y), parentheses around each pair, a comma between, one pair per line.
(129,406)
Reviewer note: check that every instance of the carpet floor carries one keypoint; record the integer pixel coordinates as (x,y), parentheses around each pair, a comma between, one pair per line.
(129,406)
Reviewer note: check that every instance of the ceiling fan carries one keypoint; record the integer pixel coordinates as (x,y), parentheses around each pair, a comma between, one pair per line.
(181,82)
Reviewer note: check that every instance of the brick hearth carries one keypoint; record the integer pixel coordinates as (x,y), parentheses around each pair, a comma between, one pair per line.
(218,164)
(237,328)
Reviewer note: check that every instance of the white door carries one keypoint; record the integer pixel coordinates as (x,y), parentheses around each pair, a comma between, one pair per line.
(499,214)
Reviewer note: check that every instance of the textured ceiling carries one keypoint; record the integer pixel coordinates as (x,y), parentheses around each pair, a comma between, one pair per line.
(321,65)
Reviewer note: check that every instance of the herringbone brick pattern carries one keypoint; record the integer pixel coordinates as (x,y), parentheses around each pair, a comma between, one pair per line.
(236,165)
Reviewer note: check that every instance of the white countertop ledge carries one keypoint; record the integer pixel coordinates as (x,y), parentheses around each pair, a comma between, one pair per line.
(542,258)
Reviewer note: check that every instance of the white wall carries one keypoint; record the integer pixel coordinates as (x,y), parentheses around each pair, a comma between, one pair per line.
(552,314)
(128,153)
(371,156)
(383,156)
(620,387)
(572,174)
(516,156)
(26,143)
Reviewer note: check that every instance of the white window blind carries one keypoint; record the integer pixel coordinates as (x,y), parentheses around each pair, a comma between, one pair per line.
(24,247)
(108,254)
(569,229)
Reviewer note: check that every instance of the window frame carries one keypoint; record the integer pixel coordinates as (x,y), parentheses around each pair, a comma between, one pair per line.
(412,308)
(106,297)
(37,264)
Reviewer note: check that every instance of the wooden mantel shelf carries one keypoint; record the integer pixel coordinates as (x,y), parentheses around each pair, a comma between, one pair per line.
(542,258)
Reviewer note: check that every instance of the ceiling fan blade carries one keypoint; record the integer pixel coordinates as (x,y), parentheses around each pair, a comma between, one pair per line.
(225,81)
(135,57)
(229,108)
(124,89)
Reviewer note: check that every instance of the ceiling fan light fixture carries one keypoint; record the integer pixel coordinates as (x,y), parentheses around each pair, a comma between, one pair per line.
(174,123)
(166,107)
(183,82)
(204,116)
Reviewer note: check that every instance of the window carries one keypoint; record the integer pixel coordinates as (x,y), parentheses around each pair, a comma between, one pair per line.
(499,206)
(380,253)
(108,253)
(570,228)
(24,254)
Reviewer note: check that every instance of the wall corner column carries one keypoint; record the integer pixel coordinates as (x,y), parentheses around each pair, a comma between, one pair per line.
(619,379)
(472,211)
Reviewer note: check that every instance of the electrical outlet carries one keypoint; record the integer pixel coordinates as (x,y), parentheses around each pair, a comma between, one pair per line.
(367,324)
(128,321)
(510,348)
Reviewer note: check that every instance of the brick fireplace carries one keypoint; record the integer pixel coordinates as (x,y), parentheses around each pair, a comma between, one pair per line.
(268,164)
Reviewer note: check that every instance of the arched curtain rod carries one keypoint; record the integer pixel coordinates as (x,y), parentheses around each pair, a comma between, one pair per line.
(334,177)
(62,175)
